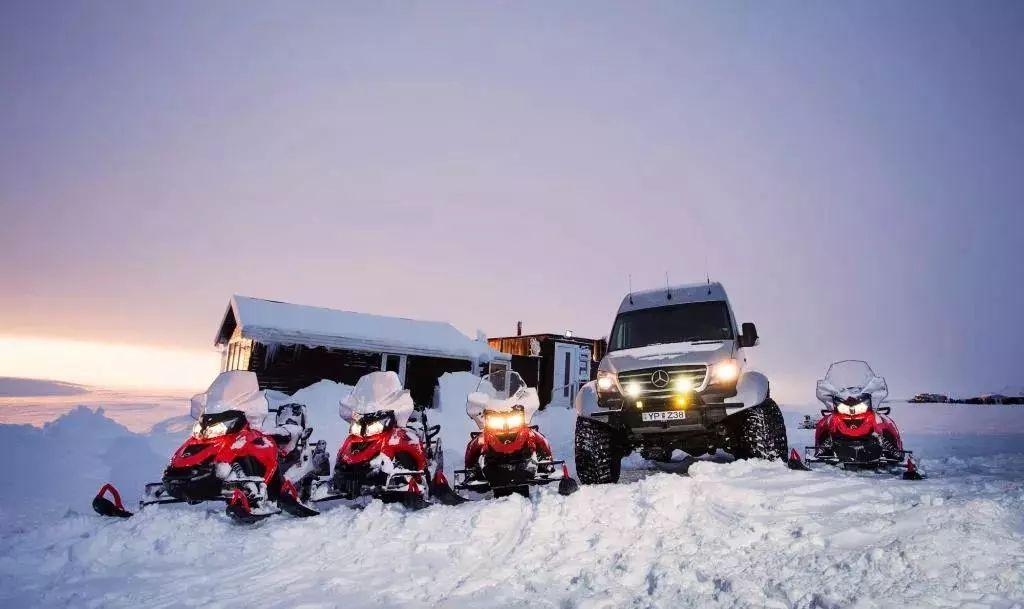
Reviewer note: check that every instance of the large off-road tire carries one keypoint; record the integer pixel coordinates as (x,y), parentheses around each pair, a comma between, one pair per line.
(759,433)
(598,459)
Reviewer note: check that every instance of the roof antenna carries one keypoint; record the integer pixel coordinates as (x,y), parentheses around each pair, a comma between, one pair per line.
(668,292)
(630,288)
(707,274)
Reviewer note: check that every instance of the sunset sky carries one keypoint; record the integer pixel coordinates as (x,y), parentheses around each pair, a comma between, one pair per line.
(853,174)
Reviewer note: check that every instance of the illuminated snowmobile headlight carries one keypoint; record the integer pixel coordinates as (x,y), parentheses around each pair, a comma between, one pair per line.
(210,431)
(372,429)
(499,422)
(858,408)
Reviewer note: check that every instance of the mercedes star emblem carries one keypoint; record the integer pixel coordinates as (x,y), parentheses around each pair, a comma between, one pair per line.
(660,378)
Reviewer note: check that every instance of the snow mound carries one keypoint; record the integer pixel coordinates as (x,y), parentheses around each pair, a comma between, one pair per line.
(727,534)
(745,534)
(321,400)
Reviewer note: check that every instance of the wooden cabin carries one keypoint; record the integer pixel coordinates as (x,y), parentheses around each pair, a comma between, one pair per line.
(557,364)
(292,346)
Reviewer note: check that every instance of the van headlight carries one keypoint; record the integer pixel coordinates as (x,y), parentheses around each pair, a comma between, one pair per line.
(606,381)
(725,371)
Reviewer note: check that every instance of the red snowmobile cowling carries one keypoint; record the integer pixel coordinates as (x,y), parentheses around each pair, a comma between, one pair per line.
(389,453)
(246,443)
(227,457)
(392,443)
(526,438)
(855,431)
(508,454)
(836,424)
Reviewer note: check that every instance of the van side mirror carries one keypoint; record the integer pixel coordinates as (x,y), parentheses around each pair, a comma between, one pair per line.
(748,335)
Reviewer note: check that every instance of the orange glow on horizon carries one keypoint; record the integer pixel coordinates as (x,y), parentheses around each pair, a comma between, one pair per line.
(107,365)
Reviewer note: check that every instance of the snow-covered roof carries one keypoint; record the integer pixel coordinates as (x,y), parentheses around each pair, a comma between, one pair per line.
(270,321)
(681,294)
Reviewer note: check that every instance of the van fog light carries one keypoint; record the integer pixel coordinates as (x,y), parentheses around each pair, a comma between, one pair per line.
(633,389)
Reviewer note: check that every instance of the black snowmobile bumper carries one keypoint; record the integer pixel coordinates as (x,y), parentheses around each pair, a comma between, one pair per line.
(514,474)
(816,454)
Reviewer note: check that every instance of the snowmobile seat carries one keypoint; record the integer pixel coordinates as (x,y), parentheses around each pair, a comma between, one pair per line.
(290,431)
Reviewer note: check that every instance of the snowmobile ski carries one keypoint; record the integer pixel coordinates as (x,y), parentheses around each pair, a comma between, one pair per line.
(106,507)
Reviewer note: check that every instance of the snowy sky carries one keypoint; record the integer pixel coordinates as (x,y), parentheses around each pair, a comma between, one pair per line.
(853,173)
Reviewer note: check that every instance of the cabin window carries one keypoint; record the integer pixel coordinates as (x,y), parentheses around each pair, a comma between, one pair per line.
(239,353)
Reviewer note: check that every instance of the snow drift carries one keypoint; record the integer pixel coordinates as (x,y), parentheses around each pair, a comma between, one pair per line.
(729,534)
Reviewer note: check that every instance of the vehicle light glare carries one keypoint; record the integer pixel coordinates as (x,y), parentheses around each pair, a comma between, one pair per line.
(373,429)
(858,408)
(633,389)
(216,430)
(682,385)
(605,381)
(726,371)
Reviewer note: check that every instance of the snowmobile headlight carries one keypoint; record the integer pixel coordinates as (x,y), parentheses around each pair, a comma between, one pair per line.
(605,380)
(725,371)
(215,431)
(372,429)
(498,422)
(858,408)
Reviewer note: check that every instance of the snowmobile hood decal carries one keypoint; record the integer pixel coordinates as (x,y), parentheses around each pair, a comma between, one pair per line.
(701,352)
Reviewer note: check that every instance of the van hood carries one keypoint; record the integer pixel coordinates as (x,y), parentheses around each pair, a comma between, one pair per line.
(672,354)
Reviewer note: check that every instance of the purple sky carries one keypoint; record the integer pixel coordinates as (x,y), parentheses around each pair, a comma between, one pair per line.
(853,173)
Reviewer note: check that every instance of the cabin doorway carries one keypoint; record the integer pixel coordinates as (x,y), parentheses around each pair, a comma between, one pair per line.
(566,375)
(394,362)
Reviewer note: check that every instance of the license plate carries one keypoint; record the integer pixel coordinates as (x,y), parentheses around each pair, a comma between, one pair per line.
(670,415)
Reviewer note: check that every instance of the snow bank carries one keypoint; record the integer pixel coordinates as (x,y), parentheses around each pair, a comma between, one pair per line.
(740,534)
(746,534)
(321,400)
(59,467)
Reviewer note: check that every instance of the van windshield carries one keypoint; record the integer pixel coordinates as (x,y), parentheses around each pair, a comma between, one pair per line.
(675,324)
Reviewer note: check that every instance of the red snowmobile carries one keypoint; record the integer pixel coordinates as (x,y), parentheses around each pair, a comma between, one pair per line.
(230,458)
(855,431)
(384,455)
(508,455)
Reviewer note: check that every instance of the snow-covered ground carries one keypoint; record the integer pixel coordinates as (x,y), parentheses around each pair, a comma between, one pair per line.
(728,534)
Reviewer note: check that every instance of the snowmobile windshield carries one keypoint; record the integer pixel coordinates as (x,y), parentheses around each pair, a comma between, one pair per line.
(849,381)
(374,392)
(501,385)
(696,321)
(851,375)
(232,391)
(502,391)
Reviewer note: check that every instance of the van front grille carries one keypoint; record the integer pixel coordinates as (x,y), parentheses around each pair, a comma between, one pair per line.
(649,379)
